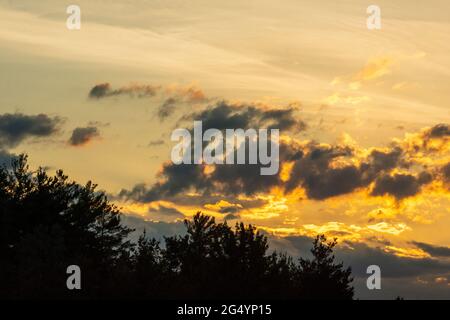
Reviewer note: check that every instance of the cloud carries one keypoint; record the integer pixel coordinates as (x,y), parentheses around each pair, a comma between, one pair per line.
(227,180)
(176,95)
(153,229)
(359,256)
(166,211)
(400,274)
(100,90)
(224,180)
(167,108)
(314,172)
(83,135)
(381,160)
(226,115)
(189,94)
(176,179)
(439,131)
(16,127)
(171,96)
(432,250)
(322,170)
(384,227)
(400,185)
(374,69)
(104,90)
(6,158)
(224,206)
(326,171)
(446,172)
(231,216)
(213,202)
(229,209)
(434,139)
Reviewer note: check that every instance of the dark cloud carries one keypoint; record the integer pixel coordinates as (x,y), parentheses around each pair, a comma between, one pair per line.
(100,90)
(6,158)
(231,216)
(323,171)
(400,185)
(225,115)
(229,209)
(225,207)
(242,179)
(386,160)
(172,96)
(379,240)
(166,211)
(179,95)
(176,179)
(82,135)
(295,246)
(167,108)
(446,172)
(104,90)
(226,180)
(439,131)
(16,127)
(283,119)
(434,251)
(359,256)
(314,172)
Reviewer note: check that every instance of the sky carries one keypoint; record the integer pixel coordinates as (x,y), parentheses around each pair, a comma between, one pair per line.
(363,117)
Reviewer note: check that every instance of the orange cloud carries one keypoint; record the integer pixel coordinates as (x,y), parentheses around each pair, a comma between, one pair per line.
(374,69)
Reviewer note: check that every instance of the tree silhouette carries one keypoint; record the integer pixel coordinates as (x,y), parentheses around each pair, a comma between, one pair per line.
(210,259)
(321,277)
(48,223)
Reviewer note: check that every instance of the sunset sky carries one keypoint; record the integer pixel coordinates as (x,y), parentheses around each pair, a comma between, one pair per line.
(363,115)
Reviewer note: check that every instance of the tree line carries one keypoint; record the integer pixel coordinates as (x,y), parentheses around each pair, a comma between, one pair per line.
(49,222)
